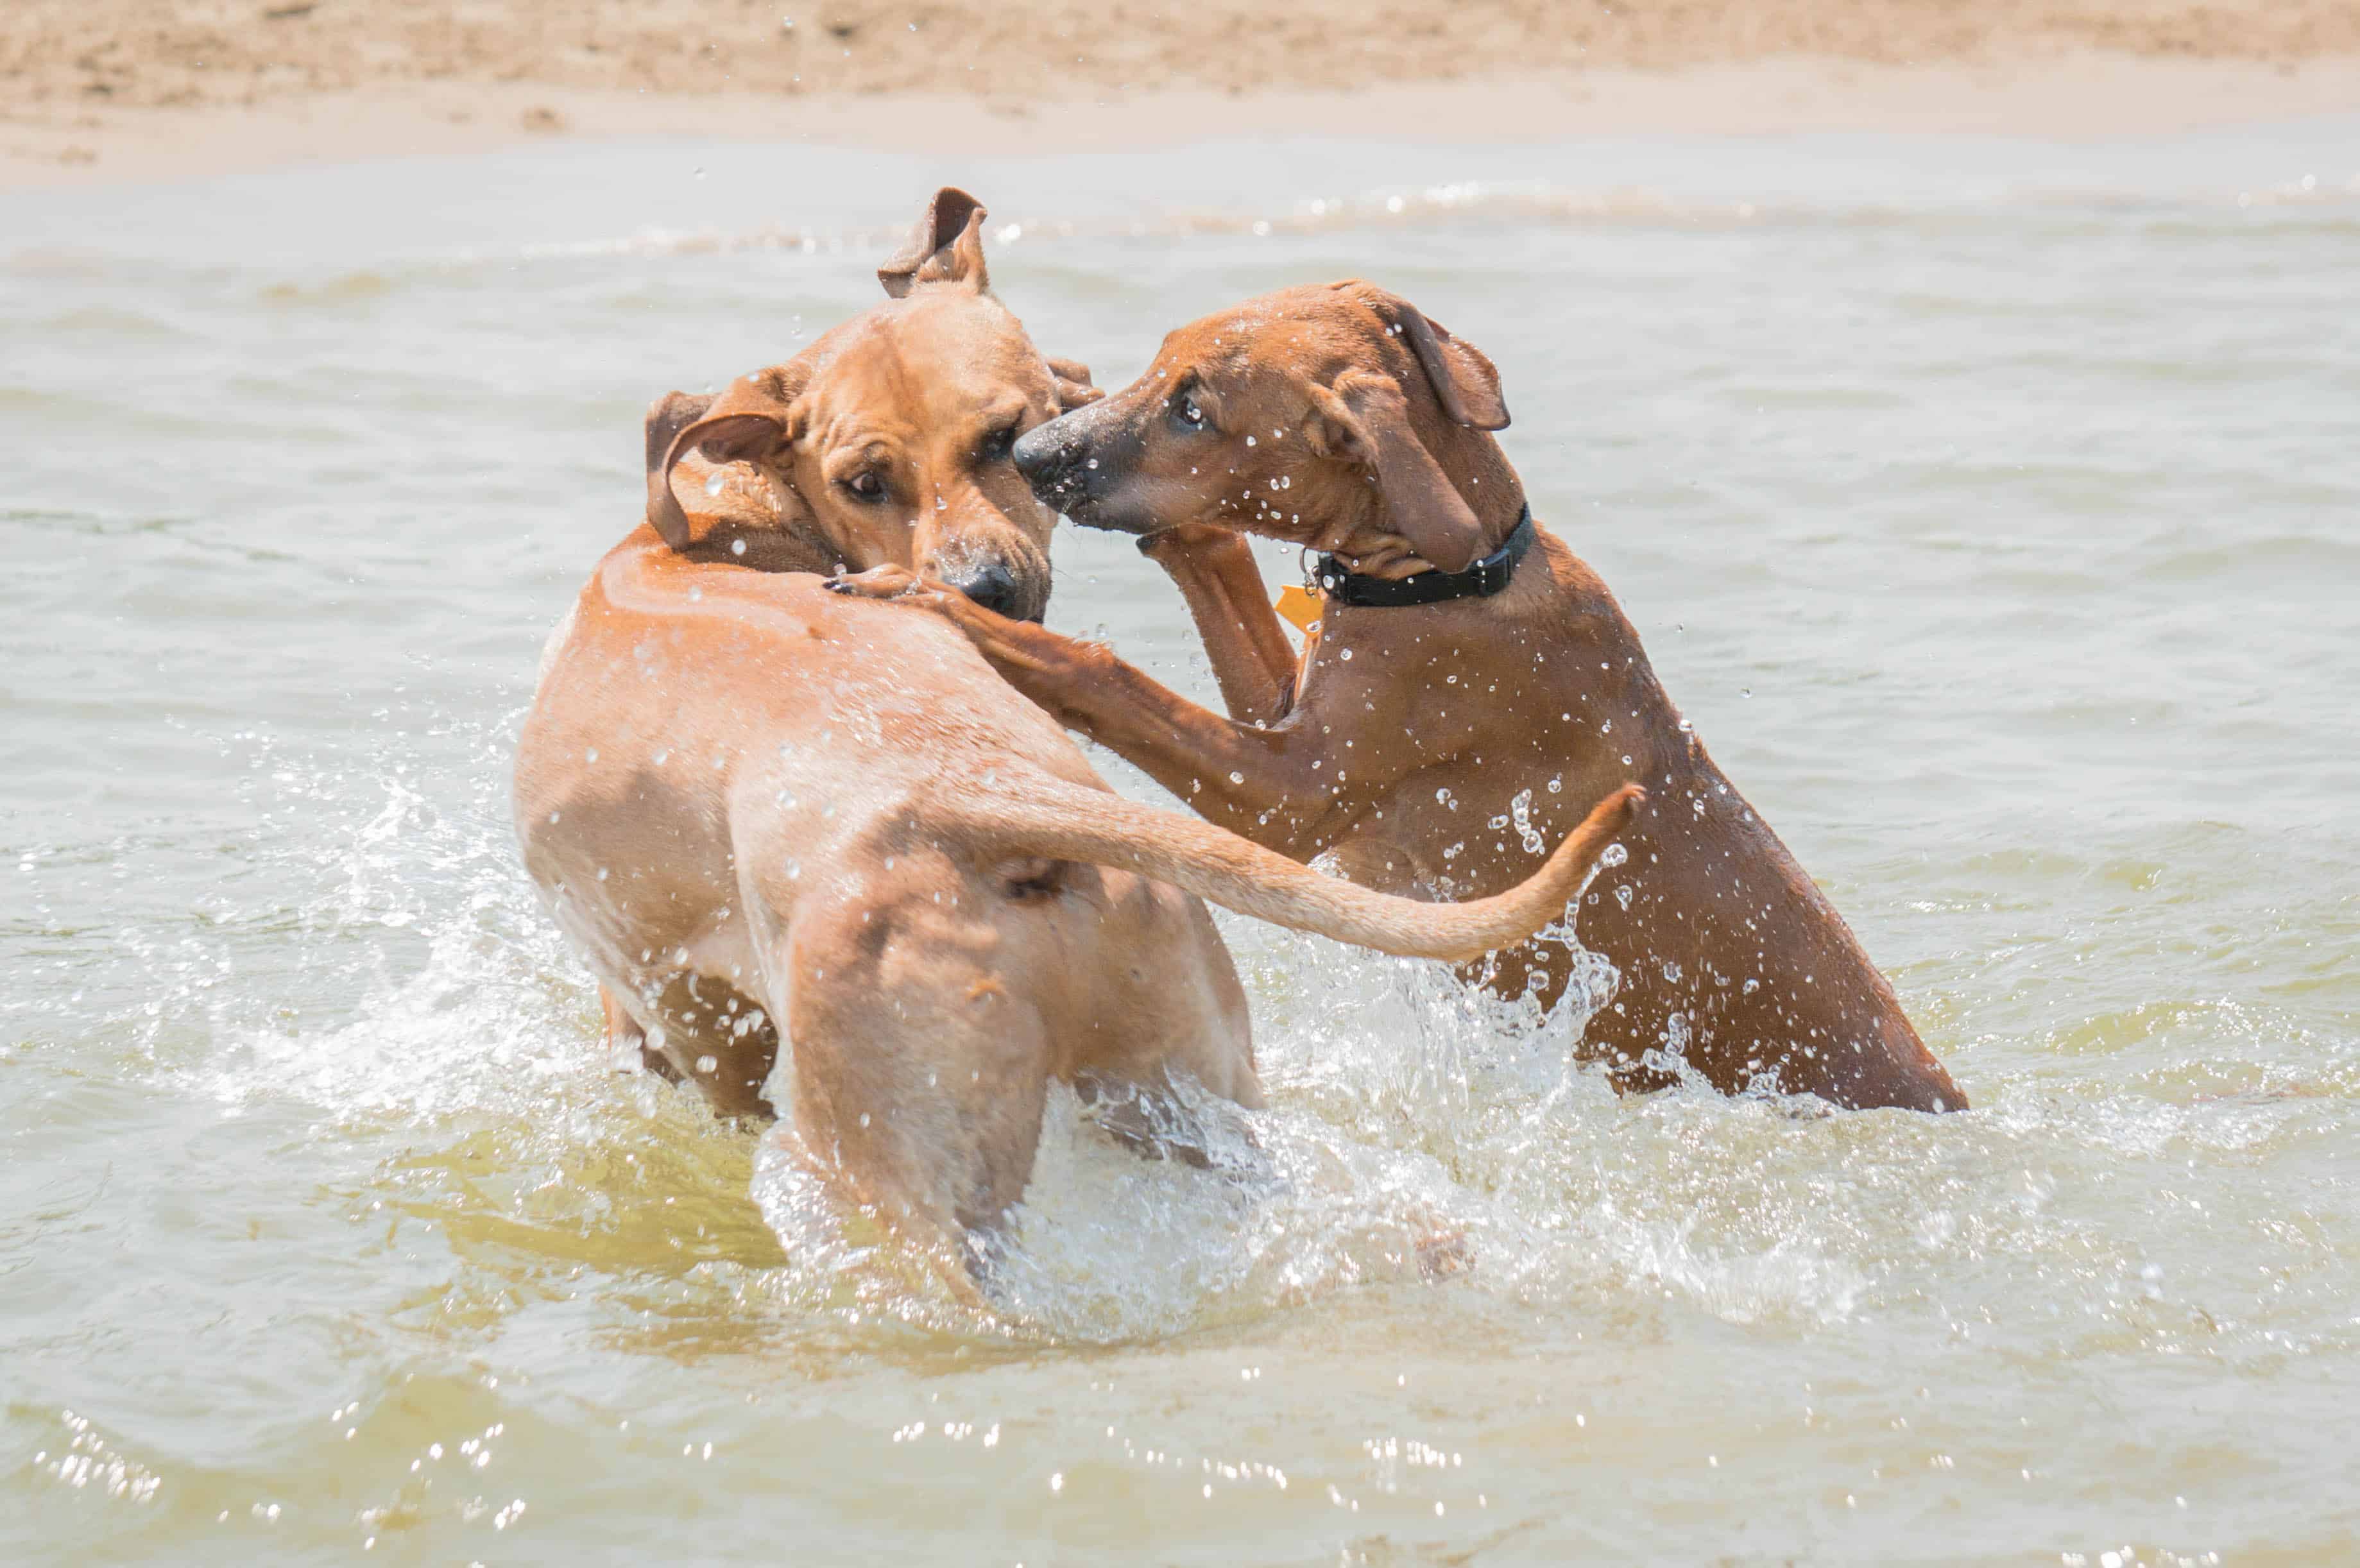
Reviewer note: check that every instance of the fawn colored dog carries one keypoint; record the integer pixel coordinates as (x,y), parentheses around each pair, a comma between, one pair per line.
(767,813)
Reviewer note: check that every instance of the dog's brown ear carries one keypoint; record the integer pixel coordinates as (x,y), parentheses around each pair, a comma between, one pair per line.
(746,423)
(945,247)
(1074,385)
(1465,381)
(667,417)
(1364,418)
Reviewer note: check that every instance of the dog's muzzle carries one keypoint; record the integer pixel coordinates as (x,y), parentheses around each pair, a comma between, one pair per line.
(1055,462)
(994,586)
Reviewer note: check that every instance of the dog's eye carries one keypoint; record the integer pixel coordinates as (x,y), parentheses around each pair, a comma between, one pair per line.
(1188,413)
(998,444)
(866,485)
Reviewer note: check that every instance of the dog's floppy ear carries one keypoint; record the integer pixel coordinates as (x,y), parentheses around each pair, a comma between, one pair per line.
(667,417)
(746,423)
(1465,381)
(1364,418)
(945,247)
(1074,385)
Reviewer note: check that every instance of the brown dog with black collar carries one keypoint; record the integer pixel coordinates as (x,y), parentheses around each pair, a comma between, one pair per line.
(769,815)
(1470,686)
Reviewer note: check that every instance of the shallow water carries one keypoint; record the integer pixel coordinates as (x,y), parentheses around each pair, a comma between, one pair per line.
(1991,508)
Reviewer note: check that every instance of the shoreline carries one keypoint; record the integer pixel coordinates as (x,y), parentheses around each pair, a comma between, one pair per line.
(2079,96)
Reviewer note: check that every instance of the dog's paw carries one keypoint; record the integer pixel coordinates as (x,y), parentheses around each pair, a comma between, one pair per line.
(877,583)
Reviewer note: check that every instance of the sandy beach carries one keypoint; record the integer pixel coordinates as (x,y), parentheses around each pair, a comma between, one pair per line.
(125,91)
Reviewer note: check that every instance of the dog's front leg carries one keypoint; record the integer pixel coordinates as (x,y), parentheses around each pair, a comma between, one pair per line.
(1215,571)
(1273,786)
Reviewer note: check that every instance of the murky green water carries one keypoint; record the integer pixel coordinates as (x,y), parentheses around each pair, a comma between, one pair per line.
(1993,509)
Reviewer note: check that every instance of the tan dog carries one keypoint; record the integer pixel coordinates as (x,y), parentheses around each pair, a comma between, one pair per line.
(1439,745)
(757,807)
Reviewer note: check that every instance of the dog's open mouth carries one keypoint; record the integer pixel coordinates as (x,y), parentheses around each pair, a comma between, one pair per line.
(1083,514)
(1076,504)
(1068,495)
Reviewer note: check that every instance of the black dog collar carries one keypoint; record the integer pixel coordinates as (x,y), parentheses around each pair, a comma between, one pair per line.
(1480,580)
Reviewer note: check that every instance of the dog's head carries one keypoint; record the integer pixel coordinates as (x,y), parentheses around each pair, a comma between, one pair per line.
(1317,415)
(887,441)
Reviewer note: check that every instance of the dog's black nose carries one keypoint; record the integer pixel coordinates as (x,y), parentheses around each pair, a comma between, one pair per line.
(993,586)
(1043,453)
(1058,462)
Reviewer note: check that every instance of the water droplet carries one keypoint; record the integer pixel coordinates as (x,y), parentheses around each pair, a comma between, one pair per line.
(708,1064)
(1345,654)
(1235,778)
(713,486)
(1521,809)
(736,546)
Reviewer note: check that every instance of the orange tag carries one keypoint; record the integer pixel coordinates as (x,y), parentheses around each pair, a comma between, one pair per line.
(1300,606)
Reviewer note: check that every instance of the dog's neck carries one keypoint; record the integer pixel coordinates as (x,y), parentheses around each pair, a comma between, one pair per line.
(1362,532)
(760,548)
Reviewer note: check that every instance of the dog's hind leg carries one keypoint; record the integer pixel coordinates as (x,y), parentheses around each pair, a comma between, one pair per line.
(1171,1120)
(1165,1059)
(624,1034)
(701,1030)
(921,1067)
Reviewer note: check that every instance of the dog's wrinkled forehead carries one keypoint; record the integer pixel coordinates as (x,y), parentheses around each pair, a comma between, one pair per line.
(933,359)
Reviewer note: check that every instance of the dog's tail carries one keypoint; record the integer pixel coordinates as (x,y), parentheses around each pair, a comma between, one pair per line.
(1060,820)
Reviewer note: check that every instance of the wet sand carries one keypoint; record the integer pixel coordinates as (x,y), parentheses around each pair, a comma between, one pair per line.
(112,91)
